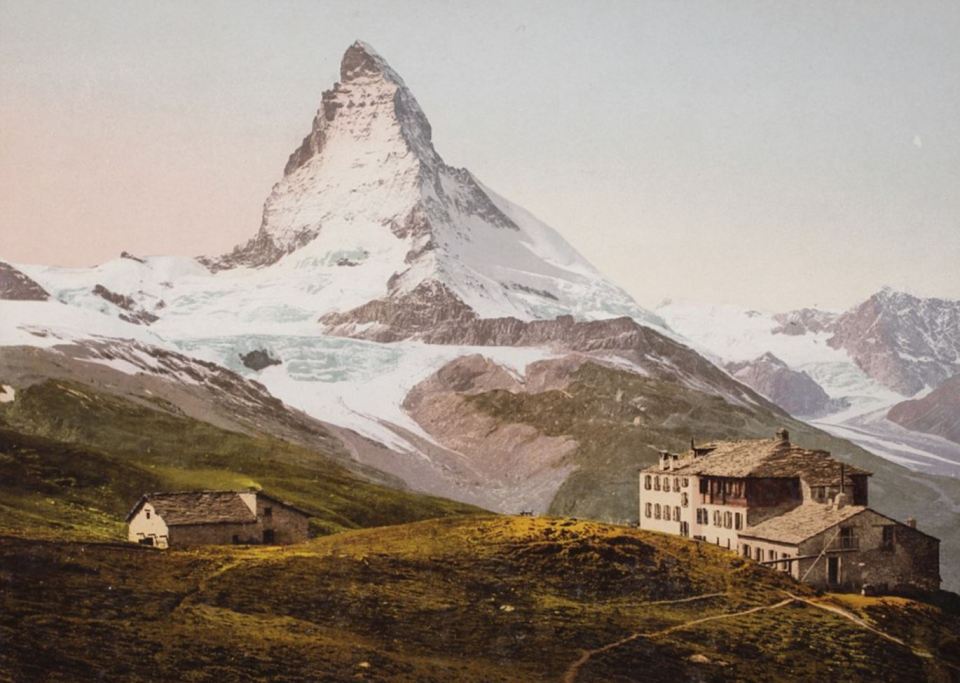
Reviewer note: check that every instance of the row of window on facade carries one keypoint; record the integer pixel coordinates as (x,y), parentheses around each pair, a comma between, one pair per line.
(652,482)
(771,556)
(657,511)
(722,519)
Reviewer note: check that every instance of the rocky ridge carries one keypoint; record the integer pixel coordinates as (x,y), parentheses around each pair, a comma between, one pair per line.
(794,391)
(904,342)
(936,413)
(15,286)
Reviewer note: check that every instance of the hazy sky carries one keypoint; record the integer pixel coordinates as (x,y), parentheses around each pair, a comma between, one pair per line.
(770,154)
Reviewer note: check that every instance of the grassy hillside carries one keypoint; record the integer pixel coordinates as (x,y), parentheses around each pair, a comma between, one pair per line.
(73,461)
(466,599)
(621,420)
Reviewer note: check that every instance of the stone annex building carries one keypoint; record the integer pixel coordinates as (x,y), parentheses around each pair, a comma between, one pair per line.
(192,518)
(797,510)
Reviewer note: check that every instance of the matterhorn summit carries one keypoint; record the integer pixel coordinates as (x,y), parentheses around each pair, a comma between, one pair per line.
(368,211)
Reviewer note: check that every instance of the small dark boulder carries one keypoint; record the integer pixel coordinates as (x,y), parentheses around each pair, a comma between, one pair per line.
(258,360)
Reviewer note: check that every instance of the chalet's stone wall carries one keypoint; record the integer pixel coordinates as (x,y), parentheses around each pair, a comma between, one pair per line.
(188,535)
(910,565)
(288,525)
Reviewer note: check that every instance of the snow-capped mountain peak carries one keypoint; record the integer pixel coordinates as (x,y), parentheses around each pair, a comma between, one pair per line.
(366,204)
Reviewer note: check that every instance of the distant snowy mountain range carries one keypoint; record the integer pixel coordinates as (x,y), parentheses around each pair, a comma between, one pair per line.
(401,301)
(842,371)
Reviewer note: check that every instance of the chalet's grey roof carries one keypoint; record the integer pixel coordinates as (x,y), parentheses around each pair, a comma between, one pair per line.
(763,458)
(198,507)
(802,522)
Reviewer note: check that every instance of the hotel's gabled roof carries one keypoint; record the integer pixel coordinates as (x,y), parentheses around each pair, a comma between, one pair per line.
(763,458)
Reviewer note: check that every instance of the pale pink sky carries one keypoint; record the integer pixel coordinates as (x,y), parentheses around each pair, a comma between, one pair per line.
(769,154)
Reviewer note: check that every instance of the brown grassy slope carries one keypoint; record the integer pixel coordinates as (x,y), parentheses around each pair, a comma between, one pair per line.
(469,599)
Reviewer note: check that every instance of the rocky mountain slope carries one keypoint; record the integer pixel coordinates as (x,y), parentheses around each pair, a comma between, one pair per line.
(904,342)
(15,286)
(494,599)
(936,413)
(794,391)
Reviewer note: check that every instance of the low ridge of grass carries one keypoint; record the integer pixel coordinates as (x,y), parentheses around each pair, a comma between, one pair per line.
(73,461)
(467,599)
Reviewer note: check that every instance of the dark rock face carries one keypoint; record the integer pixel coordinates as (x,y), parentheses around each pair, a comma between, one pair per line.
(904,342)
(401,317)
(258,252)
(531,290)
(134,313)
(795,392)
(803,321)
(259,359)
(15,286)
(131,257)
(361,62)
(936,413)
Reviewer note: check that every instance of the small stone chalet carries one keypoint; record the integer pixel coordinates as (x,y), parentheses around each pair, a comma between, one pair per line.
(796,510)
(193,518)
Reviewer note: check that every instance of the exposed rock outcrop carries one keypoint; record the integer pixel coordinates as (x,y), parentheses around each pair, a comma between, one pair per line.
(133,312)
(409,315)
(803,321)
(522,467)
(795,392)
(936,413)
(904,342)
(127,255)
(15,286)
(259,251)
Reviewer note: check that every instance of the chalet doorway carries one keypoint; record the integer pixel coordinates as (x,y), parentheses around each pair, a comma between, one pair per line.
(833,570)
(269,536)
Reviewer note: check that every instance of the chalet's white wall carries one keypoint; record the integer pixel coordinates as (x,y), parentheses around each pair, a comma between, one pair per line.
(148,523)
